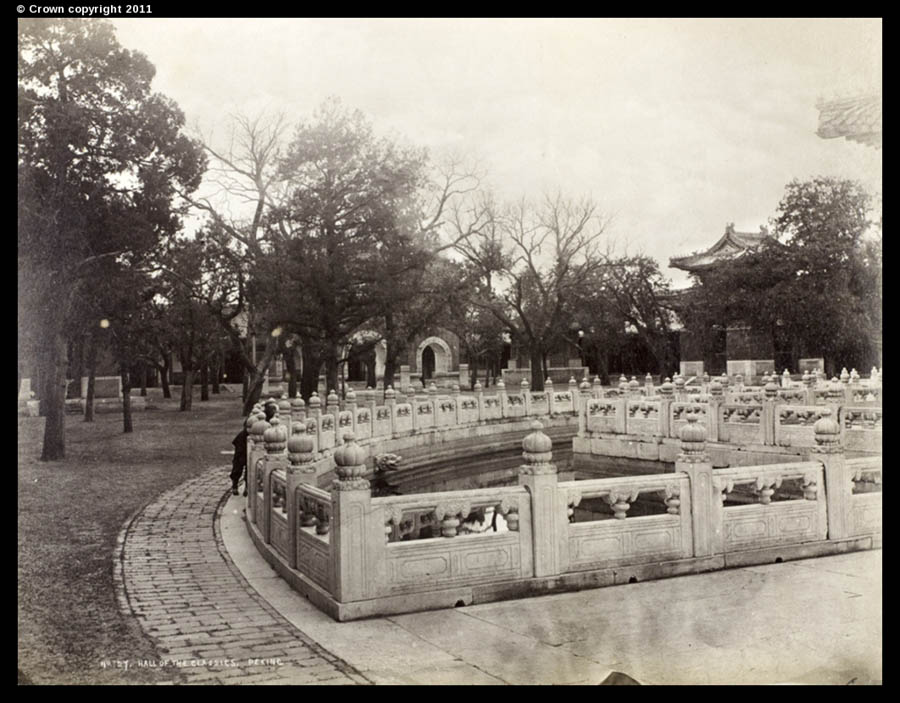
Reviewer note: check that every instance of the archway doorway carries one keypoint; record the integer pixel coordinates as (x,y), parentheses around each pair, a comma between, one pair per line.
(427,363)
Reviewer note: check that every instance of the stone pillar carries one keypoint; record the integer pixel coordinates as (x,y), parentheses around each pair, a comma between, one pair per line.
(538,475)
(809,381)
(786,379)
(284,414)
(390,402)
(666,397)
(648,385)
(716,398)
(333,407)
(298,410)
(275,439)
(581,407)
(356,538)
(455,395)
(351,408)
(525,390)
(838,482)
(634,388)
(680,394)
(301,470)
(255,452)
(404,377)
(315,412)
(770,410)
(479,398)
(504,401)
(597,388)
(623,385)
(370,404)
(706,503)
(432,398)
(464,380)
(548,389)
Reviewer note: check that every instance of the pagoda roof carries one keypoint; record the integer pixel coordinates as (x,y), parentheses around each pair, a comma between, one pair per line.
(857,119)
(731,245)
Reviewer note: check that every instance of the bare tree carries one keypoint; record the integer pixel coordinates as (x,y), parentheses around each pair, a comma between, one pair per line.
(539,257)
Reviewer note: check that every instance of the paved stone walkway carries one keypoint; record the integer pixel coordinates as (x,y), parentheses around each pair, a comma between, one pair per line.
(209,625)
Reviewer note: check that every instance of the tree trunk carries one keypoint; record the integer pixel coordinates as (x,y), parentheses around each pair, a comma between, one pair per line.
(187,389)
(258,377)
(390,366)
(537,368)
(143,371)
(126,400)
(331,368)
(371,371)
(54,389)
(204,382)
(216,374)
(290,360)
(245,386)
(92,373)
(74,389)
(164,376)
(309,375)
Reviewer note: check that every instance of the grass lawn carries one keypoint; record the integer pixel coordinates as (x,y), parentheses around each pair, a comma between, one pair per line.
(70,513)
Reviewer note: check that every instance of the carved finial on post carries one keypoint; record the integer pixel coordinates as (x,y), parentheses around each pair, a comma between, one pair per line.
(693,441)
(350,465)
(827,433)
(854,376)
(786,379)
(715,389)
(257,431)
(725,381)
(667,390)
(845,375)
(771,390)
(315,404)
(300,447)
(623,384)
(524,385)
(275,436)
(537,451)
(432,389)
(390,395)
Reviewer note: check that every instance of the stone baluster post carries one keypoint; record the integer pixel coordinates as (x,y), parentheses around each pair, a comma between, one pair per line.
(433,399)
(573,391)
(525,390)
(256,450)
(854,377)
(275,439)
(464,380)
(808,382)
(284,414)
(548,389)
(454,394)
(680,393)
(770,410)
(597,388)
(706,504)
(356,528)
(623,385)
(390,402)
(404,378)
(714,414)
(738,383)
(351,407)
(634,388)
(838,482)
(315,412)
(333,407)
(786,379)
(479,398)
(649,390)
(666,397)
(582,408)
(504,401)
(298,410)
(539,476)
(370,404)
(413,414)
(301,470)
(835,397)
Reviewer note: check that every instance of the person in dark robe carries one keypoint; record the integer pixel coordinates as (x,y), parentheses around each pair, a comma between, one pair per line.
(239,462)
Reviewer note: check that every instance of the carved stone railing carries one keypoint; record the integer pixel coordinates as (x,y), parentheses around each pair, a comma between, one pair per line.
(356,554)
(761,519)
(622,540)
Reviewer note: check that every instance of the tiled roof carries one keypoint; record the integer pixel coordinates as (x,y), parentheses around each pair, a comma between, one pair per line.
(731,245)
(857,119)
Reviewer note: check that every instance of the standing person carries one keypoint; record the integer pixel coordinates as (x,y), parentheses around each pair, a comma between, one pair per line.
(239,463)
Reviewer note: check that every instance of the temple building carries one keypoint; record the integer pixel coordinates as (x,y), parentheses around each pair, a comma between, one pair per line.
(737,349)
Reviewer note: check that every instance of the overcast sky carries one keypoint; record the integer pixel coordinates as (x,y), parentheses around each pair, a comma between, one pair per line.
(674,126)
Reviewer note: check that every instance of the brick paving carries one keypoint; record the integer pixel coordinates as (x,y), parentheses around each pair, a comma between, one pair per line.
(209,625)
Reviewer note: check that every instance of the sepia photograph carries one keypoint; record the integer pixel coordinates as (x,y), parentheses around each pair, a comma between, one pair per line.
(448,351)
